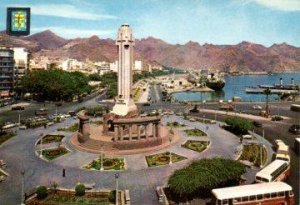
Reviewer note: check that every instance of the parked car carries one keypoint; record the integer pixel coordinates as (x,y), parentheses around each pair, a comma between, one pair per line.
(257,107)
(295,129)
(17,107)
(257,124)
(23,127)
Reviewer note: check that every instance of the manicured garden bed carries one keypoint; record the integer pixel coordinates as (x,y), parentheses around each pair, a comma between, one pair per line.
(6,136)
(175,124)
(51,154)
(47,139)
(252,154)
(108,164)
(195,133)
(77,200)
(72,128)
(194,145)
(69,197)
(163,159)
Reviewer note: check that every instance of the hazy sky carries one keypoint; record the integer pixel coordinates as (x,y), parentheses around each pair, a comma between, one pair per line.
(175,21)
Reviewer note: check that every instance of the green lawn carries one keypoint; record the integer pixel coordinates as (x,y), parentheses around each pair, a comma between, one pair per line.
(76,200)
(163,159)
(195,132)
(51,154)
(6,136)
(108,164)
(175,124)
(51,138)
(252,154)
(194,145)
(72,128)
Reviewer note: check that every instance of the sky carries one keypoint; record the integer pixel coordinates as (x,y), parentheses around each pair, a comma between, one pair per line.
(219,22)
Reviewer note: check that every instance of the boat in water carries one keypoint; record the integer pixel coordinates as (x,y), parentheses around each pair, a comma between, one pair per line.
(215,82)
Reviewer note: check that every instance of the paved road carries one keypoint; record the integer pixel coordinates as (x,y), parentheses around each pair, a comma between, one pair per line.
(19,153)
(278,130)
(12,116)
(141,181)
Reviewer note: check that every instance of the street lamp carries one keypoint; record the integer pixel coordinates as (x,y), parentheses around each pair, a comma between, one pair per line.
(19,117)
(22,187)
(41,150)
(101,156)
(170,153)
(117,188)
(261,148)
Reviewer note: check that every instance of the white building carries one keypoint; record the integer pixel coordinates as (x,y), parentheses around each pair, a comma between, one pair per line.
(138,66)
(71,65)
(21,58)
(102,67)
(114,66)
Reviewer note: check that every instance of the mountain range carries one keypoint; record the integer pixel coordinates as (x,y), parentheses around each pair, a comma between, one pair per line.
(245,56)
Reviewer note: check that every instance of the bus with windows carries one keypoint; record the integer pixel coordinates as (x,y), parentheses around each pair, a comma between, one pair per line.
(283,153)
(275,193)
(278,170)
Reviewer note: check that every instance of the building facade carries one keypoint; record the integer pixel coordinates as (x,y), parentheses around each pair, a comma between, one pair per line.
(21,58)
(7,74)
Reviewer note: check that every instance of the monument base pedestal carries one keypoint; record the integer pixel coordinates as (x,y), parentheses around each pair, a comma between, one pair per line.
(123,107)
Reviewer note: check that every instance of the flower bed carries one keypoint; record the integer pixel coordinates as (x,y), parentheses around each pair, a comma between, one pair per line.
(163,159)
(62,197)
(252,154)
(47,139)
(198,146)
(108,164)
(175,124)
(51,154)
(195,132)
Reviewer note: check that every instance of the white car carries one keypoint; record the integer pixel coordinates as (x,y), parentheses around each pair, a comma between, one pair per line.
(23,127)
(257,107)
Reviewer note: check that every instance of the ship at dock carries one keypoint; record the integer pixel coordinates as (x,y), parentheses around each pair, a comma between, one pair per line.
(215,82)
(280,88)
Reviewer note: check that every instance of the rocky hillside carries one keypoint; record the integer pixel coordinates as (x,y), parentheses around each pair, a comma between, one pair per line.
(245,56)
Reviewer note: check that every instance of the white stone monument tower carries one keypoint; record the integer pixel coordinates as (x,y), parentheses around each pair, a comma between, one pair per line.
(125,43)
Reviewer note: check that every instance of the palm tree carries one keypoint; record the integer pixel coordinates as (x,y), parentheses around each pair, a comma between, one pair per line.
(267,92)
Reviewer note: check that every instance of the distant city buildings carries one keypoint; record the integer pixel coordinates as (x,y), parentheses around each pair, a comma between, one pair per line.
(15,62)
(40,63)
(88,67)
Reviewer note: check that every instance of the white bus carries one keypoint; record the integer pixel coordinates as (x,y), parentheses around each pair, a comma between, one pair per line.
(275,193)
(278,170)
(283,153)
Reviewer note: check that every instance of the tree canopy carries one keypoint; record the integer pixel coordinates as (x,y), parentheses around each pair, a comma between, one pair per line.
(55,84)
(238,126)
(203,175)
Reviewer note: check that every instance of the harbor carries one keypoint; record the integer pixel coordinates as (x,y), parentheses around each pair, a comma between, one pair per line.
(250,88)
